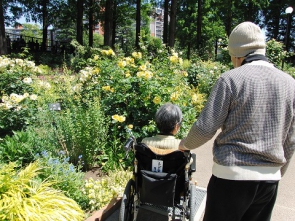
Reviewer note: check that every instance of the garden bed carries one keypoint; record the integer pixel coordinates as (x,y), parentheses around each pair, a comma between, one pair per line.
(106,211)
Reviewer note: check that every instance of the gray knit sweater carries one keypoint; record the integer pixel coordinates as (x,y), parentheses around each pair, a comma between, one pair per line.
(254,105)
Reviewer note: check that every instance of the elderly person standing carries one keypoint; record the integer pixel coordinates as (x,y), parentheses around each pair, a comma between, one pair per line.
(254,105)
(168,120)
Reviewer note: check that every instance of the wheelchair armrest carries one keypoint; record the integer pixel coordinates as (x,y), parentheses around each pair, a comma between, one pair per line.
(193,164)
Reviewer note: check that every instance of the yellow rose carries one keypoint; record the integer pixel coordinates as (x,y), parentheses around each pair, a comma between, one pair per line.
(106,88)
(142,67)
(111,52)
(173,59)
(121,119)
(148,74)
(137,55)
(96,71)
(127,74)
(157,100)
(174,96)
(140,74)
(118,118)
(122,64)
(33,97)
(194,98)
(184,73)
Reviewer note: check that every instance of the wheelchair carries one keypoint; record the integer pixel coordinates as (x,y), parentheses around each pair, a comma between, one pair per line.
(160,183)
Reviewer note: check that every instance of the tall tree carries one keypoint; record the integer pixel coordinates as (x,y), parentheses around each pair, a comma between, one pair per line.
(108,22)
(138,23)
(275,21)
(10,10)
(3,44)
(45,24)
(229,17)
(80,7)
(91,22)
(199,24)
(123,25)
(114,29)
(172,26)
(187,25)
(46,12)
(166,24)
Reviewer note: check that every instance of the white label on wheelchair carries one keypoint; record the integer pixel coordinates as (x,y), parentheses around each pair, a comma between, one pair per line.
(157,166)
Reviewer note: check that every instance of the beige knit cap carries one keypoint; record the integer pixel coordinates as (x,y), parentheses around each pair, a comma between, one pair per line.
(246,38)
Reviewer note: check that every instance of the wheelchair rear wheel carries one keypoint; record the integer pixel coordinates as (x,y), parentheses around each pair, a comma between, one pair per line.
(126,209)
(192,202)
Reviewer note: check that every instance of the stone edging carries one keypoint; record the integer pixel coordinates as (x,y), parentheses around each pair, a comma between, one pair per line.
(106,211)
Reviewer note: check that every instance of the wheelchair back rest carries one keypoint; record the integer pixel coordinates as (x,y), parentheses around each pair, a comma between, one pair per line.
(160,177)
(173,162)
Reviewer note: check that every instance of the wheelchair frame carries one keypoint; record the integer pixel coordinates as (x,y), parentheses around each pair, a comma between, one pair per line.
(183,208)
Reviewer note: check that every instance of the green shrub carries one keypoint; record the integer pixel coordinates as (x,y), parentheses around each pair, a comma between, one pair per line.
(290,70)
(81,131)
(20,148)
(275,52)
(17,112)
(135,88)
(16,75)
(18,102)
(65,176)
(203,75)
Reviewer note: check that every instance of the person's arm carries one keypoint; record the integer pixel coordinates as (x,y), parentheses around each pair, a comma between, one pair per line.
(181,147)
(211,118)
(289,147)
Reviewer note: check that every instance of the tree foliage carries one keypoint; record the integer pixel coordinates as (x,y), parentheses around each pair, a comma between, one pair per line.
(193,26)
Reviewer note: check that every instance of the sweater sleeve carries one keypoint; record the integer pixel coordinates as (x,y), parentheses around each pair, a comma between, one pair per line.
(289,147)
(212,116)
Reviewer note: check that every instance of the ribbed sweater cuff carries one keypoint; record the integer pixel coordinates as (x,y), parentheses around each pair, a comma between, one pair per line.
(246,172)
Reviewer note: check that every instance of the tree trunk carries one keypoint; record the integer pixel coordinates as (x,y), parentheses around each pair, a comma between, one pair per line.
(108,23)
(250,12)
(45,26)
(114,24)
(165,28)
(188,53)
(3,44)
(229,18)
(79,36)
(138,21)
(199,24)
(91,23)
(172,27)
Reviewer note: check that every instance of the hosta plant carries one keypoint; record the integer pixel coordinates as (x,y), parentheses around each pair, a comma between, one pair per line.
(23,197)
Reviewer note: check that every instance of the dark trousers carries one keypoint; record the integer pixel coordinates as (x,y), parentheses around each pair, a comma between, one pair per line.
(231,200)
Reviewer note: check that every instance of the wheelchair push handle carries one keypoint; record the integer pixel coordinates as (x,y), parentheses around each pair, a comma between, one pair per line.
(129,144)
